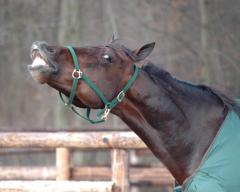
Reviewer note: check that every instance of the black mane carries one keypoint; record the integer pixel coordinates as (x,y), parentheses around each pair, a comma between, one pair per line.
(172,84)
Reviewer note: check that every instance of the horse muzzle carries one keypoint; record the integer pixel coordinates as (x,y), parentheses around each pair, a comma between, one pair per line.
(43,65)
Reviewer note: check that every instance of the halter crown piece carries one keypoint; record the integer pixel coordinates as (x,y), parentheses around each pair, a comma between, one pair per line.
(109,105)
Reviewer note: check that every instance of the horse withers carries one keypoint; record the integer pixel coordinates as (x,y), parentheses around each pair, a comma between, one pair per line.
(193,129)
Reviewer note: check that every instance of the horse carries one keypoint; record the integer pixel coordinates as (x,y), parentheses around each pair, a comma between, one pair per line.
(194,130)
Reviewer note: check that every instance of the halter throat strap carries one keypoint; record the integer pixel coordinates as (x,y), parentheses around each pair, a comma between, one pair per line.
(102,114)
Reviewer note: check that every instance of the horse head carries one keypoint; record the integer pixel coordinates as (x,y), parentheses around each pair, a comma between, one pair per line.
(109,67)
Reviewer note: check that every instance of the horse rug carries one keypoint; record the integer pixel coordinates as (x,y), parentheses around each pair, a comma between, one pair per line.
(220,168)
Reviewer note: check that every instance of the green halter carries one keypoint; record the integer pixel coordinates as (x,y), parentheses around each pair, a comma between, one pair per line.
(102,113)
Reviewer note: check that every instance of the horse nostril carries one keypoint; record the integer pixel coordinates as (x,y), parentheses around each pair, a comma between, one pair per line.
(50,50)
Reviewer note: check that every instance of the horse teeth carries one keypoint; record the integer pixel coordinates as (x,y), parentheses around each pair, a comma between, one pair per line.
(38,62)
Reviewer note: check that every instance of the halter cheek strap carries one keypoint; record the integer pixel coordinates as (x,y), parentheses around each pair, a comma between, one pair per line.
(102,114)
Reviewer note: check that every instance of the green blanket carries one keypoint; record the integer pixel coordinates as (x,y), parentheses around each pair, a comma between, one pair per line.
(220,169)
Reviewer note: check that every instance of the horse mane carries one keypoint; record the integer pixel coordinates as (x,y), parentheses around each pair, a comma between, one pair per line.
(171,84)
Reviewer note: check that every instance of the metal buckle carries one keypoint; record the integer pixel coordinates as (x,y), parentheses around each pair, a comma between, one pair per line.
(105,113)
(120,96)
(77,74)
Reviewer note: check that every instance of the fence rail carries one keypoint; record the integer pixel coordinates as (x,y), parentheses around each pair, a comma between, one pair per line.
(53,186)
(84,140)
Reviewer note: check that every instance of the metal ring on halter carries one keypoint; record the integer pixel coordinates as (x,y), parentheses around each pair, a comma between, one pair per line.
(105,113)
(77,74)
(120,96)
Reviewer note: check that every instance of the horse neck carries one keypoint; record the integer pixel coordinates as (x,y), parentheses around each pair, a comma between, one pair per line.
(165,127)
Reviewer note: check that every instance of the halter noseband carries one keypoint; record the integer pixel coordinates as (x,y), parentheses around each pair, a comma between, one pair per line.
(102,113)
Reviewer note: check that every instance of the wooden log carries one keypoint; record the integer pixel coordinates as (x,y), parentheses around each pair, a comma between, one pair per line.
(147,175)
(16,151)
(53,186)
(84,140)
(120,170)
(151,175)
(27,173)
(92,173)
(63,164)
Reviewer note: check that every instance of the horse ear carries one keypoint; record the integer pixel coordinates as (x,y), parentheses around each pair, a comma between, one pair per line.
(144,51)
(113,38)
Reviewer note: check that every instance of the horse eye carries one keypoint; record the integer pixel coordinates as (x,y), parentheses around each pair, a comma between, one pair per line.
(107,57)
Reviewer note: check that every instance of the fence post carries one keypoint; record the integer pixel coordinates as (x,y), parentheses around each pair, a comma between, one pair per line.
(62,164)
(120,170)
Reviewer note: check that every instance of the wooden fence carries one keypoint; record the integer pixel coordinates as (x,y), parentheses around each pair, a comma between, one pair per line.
(115,178)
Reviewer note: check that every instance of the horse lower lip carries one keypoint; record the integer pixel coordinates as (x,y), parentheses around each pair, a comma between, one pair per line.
(43,68)
(40,68)
(38,63)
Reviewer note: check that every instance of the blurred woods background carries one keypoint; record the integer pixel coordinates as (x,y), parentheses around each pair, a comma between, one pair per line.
(196,40)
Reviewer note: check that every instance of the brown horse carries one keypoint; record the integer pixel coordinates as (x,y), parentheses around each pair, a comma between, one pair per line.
(177,120)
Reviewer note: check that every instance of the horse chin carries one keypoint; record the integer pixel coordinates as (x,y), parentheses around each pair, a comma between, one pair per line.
(40,77)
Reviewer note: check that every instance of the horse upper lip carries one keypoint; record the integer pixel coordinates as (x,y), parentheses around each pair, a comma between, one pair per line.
(41,48)
(34,47)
